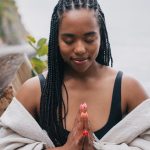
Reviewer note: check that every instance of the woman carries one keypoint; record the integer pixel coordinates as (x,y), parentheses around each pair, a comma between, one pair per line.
(78,72)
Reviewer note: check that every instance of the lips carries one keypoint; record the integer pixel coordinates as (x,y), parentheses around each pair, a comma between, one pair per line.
(79,61)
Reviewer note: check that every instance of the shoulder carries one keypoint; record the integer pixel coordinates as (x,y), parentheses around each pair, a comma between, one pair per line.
(29,95)
(133,92)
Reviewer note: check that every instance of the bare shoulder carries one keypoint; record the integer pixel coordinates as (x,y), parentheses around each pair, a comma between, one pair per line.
(133,92)
(29,95)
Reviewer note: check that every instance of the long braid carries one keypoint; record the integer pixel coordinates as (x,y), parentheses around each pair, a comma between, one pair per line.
(76,3)
(104,55)
(49,115)
(52,107)
(68,4)
(83,3)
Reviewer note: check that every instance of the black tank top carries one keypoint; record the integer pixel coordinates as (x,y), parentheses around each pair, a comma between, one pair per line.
(115,111)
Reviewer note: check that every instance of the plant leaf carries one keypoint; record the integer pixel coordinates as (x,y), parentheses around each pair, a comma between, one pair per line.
(31,39)
(41,42)
(38,65)
(43,50)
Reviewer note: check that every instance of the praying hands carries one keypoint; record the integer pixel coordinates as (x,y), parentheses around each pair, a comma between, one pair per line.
(80,138)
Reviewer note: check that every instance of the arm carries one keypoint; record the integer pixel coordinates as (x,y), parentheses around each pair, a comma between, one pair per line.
(133,92)
(29,95)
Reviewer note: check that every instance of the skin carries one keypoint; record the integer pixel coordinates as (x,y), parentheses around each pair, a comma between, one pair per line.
(85,80)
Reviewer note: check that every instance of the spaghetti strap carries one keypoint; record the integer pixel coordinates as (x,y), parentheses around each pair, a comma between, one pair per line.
(116,98)
(42,81)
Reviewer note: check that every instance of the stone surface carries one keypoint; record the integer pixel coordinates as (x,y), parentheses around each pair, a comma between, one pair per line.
(15,69)
(9,64)
(6,98)
(12,31)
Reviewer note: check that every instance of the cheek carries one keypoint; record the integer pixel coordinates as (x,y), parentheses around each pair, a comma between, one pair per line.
(64,50)
(95,49)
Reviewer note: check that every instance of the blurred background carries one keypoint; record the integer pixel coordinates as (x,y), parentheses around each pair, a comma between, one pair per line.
(128,25)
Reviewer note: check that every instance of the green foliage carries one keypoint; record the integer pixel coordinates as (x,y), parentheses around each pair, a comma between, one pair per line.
(39,61)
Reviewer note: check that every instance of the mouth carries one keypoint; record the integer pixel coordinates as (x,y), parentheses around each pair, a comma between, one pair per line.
(80,61)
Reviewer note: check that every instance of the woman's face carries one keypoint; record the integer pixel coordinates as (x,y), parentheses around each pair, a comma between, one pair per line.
(79,39)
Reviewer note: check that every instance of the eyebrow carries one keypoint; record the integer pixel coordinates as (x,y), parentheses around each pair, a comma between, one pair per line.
(90,33)
(68,34)
(73,35)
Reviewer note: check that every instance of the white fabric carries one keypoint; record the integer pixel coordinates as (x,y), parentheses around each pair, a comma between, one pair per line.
(19,130)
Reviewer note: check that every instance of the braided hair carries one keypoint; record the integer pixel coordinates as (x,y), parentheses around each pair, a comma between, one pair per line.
(52,104)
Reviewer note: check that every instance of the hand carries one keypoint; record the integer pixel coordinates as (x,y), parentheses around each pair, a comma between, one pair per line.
(75,139)
(80,138)
(87,133)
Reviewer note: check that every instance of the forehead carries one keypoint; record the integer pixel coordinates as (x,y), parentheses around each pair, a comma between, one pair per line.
(83,19)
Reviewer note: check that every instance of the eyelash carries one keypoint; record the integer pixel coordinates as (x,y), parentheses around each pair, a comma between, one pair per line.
(69,42)
(88,40)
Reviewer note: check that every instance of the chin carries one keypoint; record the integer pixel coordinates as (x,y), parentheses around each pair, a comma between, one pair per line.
(81,70)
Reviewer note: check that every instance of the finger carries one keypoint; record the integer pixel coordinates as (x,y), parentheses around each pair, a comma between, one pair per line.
(78,115)
(85,120)
(88,142)
(79,118)
(81,140)
(82,120)
(78,127)
(87,125)
(90,130)
(80,124)
(83,107)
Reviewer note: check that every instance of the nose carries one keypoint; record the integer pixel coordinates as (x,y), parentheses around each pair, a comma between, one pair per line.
(79,48)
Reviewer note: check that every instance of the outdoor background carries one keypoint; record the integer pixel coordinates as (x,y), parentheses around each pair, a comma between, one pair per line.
(128,25)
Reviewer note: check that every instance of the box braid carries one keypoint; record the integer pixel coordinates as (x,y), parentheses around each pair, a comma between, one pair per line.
(52,104)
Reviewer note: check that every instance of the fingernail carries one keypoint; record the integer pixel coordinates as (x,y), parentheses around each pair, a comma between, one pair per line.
(81,107)
(85,133)
(84,105)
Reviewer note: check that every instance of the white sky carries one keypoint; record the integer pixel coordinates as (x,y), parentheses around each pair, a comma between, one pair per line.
(125,18)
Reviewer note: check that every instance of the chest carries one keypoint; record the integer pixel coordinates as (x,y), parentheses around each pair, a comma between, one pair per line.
(98,98)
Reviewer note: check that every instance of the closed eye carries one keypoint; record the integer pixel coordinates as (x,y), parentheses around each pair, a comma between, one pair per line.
(68,38)
(90,37)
